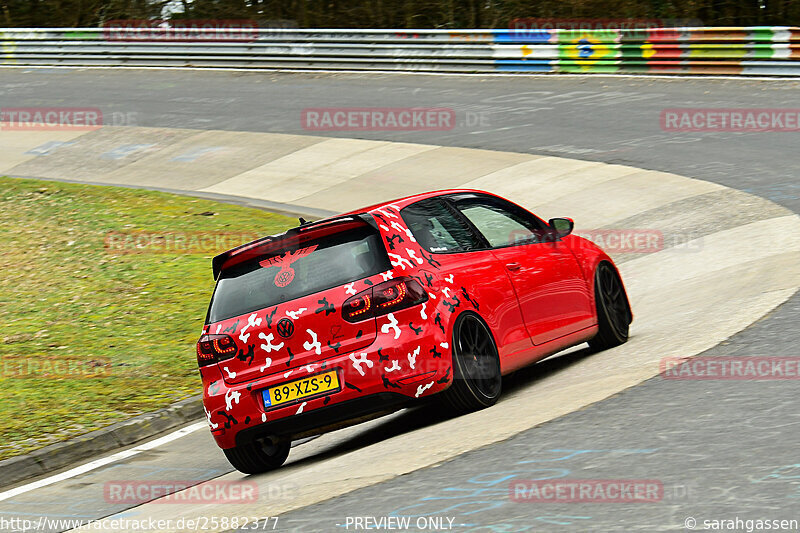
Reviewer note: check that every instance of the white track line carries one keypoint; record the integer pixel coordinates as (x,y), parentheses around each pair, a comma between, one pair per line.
(82,469)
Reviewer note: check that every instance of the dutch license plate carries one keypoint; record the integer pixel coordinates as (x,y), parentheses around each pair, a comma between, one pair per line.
(301,388)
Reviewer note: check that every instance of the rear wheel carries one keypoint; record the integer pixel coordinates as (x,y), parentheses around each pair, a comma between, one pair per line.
(476,366)
(613,313)
(260,455)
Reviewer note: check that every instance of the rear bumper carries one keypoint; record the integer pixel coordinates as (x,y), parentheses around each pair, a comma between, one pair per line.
(236,412)
(327,418)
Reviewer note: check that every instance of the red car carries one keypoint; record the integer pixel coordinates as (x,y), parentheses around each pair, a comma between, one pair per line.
(338,321)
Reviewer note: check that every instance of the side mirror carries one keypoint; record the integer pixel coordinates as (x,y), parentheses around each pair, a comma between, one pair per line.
(561,226)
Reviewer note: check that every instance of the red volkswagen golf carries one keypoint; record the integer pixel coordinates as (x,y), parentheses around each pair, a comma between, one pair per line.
(352,317)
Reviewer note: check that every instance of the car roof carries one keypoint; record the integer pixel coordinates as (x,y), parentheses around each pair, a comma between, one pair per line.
(219,261)
(408,200)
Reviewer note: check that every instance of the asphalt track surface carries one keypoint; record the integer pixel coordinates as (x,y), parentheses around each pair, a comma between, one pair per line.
(722,449)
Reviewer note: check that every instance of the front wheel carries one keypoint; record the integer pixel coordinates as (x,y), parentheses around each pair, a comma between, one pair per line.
(476,366)
(613,312)
(258,456)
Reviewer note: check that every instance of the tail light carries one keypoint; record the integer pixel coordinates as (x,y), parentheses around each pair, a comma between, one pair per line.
(384,298)
(214,348)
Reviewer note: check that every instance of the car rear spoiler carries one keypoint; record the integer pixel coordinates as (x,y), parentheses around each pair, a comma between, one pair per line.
(219,261)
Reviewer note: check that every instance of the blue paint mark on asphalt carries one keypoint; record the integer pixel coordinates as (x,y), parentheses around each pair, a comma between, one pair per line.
(490,490)
(125,150)
(788,473)
(569,454)
(783,472)
(192,155)
(48,148)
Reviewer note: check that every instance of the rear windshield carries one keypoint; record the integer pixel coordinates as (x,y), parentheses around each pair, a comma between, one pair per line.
(308,267)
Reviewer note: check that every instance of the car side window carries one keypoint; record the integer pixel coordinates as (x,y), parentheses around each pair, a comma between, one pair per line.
(437,228)
(502,225)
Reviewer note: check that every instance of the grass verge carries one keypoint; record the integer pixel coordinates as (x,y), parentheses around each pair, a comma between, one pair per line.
(92,336)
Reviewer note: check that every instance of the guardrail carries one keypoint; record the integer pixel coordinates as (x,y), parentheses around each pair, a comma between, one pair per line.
(732,51)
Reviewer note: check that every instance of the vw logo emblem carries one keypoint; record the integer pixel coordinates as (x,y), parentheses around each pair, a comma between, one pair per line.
(285,328)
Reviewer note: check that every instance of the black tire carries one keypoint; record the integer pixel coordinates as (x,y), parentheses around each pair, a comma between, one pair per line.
(261,455)
(613,310)
(477,381)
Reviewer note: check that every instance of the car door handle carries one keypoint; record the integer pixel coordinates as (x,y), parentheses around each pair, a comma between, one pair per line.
(513,266)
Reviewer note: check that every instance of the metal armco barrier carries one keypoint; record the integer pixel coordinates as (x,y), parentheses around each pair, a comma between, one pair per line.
(772,51)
